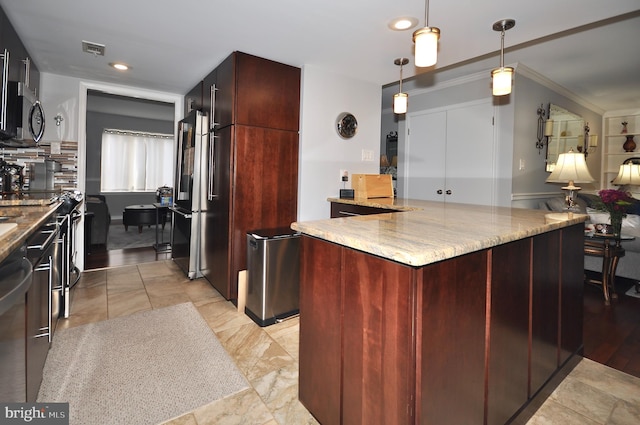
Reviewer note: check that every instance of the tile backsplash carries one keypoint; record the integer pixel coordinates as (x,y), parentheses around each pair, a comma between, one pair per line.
(66,179)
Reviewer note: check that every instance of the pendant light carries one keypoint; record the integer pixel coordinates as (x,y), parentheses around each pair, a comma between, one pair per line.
(501,77)
(426,40)
(400,99)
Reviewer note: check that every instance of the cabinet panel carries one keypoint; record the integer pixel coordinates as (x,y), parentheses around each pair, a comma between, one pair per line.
(509,323)
(320,330)
(571,296)
(267,93)
(378,354)
(451,341)
(544,308)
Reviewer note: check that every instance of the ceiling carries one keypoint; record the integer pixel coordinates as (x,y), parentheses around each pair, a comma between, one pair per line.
(584,45)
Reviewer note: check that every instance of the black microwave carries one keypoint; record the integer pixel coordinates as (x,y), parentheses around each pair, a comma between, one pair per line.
(22,116)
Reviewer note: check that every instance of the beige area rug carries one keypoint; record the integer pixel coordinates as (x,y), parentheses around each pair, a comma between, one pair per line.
(145,368)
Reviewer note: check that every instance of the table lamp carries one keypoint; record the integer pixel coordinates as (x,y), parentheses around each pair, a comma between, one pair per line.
(629,174)
(570,168)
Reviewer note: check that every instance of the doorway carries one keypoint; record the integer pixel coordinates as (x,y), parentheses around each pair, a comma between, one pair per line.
(105,106)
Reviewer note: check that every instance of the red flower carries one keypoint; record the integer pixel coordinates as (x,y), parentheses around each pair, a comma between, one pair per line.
(615,201)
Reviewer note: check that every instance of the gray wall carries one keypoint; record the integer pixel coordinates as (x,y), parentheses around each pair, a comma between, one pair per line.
(96,122)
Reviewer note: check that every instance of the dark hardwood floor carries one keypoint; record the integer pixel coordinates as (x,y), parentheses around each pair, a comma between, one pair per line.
(611,333)
(100,257)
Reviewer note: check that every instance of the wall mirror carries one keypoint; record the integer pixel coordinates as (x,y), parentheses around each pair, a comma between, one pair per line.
(567,133)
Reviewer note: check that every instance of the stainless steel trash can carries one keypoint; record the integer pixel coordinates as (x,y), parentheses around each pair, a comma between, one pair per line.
(273,275)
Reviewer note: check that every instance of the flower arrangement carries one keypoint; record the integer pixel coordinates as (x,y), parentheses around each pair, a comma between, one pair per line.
(615,202)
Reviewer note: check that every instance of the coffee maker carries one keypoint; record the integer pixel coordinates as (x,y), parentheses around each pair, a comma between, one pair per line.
(11,177)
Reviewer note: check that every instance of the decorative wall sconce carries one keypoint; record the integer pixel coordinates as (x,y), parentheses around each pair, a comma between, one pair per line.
(400,99)
(426,40)
(589,142)
(501,77)
(545,129)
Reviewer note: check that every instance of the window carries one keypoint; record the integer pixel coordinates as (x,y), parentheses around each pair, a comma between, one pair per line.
(135,162)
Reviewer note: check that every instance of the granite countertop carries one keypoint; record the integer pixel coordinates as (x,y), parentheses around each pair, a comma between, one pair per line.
(20,222)
(419,232)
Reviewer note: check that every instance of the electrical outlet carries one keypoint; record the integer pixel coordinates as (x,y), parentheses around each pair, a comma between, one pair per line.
(344,176)
(367,155)
(522,164)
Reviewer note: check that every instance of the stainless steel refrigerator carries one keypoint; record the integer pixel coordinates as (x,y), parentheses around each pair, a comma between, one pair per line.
(190,191)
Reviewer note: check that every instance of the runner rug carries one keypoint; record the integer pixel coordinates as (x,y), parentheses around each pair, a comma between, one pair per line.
(145,368)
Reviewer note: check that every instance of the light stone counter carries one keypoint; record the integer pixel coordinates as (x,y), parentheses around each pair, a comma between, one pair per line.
(424,232)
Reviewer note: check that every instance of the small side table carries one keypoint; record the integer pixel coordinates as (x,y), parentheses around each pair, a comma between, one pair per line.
(609,249)
(161,218)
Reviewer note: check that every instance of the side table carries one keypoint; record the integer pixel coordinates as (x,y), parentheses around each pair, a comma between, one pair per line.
(161,218)
(609,249)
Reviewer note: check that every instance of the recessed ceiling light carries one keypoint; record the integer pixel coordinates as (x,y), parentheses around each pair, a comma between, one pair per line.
(404,23)
(120,66)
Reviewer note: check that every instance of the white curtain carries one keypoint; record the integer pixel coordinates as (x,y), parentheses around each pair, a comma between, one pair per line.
(135,162)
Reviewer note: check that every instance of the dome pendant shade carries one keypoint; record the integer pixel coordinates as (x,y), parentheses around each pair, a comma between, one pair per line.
(426,40)
(400,103)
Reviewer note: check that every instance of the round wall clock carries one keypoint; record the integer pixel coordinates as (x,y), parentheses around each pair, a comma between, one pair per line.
(346,125)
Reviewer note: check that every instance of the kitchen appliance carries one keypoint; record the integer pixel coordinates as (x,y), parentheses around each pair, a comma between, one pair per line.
(41,174)
(21,113)
(15,281)
(68,217)
(190,189)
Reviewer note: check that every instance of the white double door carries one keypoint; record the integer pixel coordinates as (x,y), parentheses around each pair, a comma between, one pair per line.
(450,154)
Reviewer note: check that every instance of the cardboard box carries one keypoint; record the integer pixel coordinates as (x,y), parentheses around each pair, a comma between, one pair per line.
(368,186)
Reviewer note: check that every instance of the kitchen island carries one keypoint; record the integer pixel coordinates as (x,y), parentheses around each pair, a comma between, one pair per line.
(437,313)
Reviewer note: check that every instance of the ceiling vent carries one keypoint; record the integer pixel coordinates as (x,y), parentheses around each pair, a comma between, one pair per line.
(93,48)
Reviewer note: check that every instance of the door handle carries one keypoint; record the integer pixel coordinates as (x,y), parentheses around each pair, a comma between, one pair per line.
(5,88)
(439,191)
(448,192)
(214,89)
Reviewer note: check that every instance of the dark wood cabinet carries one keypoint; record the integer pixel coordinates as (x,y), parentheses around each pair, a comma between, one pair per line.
(466,340)
(254,138)
(17,53)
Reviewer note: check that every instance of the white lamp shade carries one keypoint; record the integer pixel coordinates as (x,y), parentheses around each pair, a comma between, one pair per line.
(400,101)
(628,174)
(426,40)
(501,78)
(570,167)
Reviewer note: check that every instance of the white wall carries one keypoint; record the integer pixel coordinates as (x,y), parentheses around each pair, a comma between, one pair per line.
(323,153)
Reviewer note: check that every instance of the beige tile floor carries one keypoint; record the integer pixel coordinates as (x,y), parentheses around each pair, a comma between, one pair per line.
(268,357)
